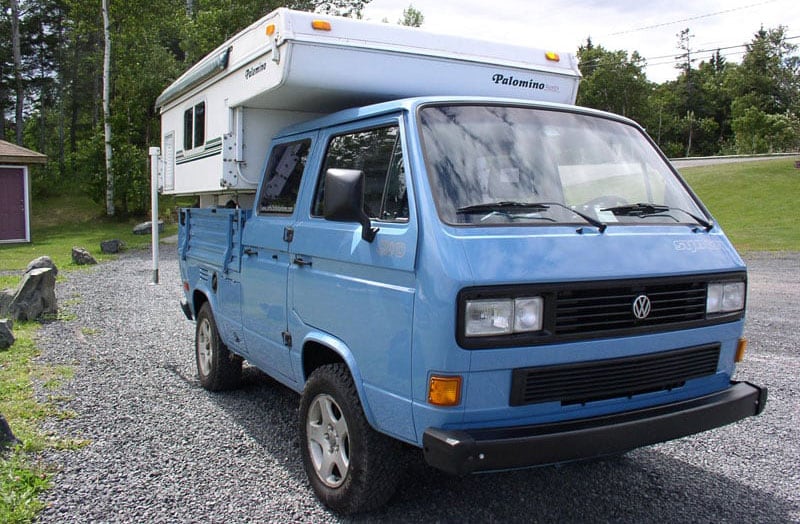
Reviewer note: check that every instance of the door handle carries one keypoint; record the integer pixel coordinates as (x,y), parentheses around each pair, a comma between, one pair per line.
(250,251)
(300,261)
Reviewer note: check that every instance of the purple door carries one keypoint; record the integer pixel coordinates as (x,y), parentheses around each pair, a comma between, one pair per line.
(13,220)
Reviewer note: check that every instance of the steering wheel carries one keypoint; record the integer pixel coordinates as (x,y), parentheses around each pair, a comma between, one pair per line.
(603,202)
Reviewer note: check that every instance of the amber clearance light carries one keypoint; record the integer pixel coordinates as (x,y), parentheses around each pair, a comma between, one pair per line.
(321,25)
(444,390)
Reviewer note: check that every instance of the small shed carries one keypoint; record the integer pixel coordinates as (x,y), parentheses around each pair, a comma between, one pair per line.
(15,218)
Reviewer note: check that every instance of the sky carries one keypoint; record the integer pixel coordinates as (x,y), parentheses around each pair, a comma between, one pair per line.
(649,27)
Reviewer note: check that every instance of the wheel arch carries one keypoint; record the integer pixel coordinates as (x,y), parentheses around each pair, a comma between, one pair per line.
(200,297)
(322,349)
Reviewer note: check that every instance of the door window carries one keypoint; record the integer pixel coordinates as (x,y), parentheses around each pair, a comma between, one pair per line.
(378,153)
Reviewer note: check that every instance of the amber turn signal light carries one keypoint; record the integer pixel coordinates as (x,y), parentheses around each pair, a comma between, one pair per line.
(444,390)
(741,347)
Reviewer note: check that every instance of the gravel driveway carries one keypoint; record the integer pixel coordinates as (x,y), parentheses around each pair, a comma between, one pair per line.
(161,449)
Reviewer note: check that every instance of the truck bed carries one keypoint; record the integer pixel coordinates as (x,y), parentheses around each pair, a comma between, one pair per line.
(211,238)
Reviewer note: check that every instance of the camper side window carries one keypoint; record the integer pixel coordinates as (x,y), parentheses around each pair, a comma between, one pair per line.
(194,126)
(378,153)
(283,175)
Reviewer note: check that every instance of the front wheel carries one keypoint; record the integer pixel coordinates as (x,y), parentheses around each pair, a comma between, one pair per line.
(351,467)
(217,368)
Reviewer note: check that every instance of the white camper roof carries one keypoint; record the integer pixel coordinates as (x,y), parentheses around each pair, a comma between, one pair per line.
(332,63)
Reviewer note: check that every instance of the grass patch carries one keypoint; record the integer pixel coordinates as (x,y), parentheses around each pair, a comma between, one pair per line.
(754,202)
(22,479)
(65,221)
(20,485)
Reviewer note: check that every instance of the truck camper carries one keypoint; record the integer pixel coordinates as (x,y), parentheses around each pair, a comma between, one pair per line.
(218,118)
(442,254)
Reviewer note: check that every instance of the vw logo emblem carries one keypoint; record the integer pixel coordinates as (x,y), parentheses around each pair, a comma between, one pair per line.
(641,307)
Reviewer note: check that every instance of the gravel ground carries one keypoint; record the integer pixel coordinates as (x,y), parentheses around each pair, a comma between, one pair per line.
(161,449)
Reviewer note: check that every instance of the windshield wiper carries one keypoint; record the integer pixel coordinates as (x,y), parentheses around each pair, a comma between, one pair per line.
(642,210)
(533,206)
(501,206)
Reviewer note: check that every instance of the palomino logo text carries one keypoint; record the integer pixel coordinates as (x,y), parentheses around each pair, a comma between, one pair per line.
(253,71)
(501,79)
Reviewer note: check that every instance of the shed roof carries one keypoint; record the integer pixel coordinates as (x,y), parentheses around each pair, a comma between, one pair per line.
(14,154)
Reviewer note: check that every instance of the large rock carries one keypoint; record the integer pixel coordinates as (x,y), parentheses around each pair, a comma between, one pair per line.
(6,335)
(82,257)
(6,296)
(35,296)
(40,262)
(111,247)
(146,228)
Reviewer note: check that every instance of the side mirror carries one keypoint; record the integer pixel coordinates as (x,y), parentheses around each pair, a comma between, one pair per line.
(344,199)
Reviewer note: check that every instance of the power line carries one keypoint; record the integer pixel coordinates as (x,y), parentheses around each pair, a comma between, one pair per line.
(689,19)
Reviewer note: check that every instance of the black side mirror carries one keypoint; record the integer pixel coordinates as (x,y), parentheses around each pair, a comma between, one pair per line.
(344,199)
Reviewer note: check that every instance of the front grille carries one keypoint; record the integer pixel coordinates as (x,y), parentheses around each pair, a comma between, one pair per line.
(592,310)
(602,309)
(614,378)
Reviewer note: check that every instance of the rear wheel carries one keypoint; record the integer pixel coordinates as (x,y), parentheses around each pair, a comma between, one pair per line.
(351,467)
(217,368)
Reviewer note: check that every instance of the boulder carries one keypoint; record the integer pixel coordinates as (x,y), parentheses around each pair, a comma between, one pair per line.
(111,247)
(40,262)
(7,438)
(82,257)
(146,228)
(6,336)
(6,296)
(35,296)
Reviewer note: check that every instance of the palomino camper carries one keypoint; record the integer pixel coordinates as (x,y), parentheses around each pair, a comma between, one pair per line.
(218,118)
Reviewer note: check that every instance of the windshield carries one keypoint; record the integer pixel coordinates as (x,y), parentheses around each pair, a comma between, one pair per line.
(517,165)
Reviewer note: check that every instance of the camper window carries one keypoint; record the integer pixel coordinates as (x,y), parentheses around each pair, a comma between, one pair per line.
(194,126)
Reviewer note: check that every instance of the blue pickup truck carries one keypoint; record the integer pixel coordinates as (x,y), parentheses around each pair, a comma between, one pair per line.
(499,283)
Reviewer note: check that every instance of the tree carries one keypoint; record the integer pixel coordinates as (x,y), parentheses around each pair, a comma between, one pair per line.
(612,81)
(764,89)
(16,51)
(107,109)
(412,17)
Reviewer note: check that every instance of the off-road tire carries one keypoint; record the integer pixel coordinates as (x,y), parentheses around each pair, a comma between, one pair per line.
(375,463)
(217,368)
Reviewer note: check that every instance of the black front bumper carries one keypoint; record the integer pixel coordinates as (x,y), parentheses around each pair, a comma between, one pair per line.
(466,451)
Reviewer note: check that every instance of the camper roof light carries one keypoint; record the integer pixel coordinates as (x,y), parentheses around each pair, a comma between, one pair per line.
(321,25)
(270,29)
(553,57)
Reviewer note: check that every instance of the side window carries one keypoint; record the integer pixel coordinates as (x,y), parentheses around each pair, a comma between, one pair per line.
(378,153)
(188,119)
(194,126)
(282,178)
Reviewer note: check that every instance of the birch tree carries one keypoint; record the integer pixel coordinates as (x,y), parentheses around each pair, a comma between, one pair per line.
(18,85)
(107,109)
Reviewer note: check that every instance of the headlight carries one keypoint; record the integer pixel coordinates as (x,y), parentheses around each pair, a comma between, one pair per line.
(502,316)
(725,297)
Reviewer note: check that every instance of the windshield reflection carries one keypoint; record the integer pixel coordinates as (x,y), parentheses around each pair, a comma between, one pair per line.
(494,164)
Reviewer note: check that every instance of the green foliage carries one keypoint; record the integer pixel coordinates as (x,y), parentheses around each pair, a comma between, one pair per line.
(612,81)
(21,483)
(412,17)
(717,108)
(759,132)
